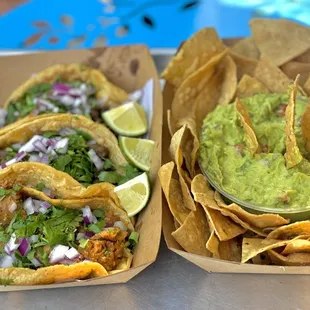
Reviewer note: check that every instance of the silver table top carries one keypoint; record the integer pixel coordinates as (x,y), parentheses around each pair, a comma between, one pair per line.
(173,283)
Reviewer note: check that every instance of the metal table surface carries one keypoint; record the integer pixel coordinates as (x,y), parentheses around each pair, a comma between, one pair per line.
(173,283)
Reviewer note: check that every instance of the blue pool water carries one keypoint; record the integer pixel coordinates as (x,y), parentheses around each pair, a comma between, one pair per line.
(58,24)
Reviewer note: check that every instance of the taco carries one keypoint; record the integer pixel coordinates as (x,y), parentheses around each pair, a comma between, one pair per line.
(85,150)
(72,88)
(45,240)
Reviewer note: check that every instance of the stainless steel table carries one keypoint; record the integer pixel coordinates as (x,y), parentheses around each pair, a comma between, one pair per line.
(173,283)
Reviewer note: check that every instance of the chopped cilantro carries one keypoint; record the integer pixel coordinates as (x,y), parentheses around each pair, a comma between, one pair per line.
(133,239)
(83,243)
(110,176)
(6,282)
(99,213)
(40,187)
(50,134)
(108,164)
(94,228)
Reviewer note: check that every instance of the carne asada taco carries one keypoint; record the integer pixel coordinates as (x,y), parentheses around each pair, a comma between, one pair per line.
(85,150)
(45,240)
(73,88)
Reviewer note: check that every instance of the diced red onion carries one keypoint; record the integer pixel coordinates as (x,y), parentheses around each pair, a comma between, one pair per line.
(29,206)
(11,246)
(39,146)
(3,165)
(66,261)
(24,246)
(72,253)
(67,100)
(47,191)
(89,234)
(55,110)
(91,142)
(34,158)
(95,159)
(36,262)
(12,207)
(21,155)
(77,102)
(87,215)
(62,145)
(29,146)
(58,253)
(3,114)
(83,87)
(94,219)
(120,225)
(45,103)
(34,239)
(42,210)
(76,111)
(7,261)
(11,161)
(80,236)
(45,205)
(75,92)
(60,87)
(17,146)
(44,159)
(14,160)
(67,132)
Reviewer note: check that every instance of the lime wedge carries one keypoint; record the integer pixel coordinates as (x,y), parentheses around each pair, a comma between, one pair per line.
(137,151)
(128,119)
(134,194)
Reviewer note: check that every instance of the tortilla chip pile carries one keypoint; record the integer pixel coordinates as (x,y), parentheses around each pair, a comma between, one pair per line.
(205,73)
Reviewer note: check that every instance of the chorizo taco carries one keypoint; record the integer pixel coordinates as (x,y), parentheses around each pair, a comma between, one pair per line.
(45,240)
(73,144)
(72,88)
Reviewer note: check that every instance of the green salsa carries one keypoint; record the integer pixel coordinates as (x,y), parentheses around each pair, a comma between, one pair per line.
(263,179)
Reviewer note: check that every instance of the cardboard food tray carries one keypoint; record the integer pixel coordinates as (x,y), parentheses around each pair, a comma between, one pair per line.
(129,67)
(207,263)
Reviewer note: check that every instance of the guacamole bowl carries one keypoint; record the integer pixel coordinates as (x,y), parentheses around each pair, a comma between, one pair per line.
(293,214)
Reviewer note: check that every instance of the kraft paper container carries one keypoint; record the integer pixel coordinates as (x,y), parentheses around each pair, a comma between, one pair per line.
(207,263)
(129,67)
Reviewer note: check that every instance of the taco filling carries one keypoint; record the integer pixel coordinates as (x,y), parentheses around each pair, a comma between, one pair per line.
(74,97)
(35,233)
(70,151)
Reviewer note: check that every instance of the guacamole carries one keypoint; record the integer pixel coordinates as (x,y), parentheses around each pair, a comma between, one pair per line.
(264,179)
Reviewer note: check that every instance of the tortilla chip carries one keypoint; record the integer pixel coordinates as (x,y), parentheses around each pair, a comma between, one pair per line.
(257,220)
(292,156)
(246,47)
(307,85)
(229,84)
(224,227)
(204,195)
(173,192)
(31,174)
(213,244)
(178,140)
(271,76)
(105,89)
(280,40)
(254,246)
(245,65)
(171,123)
(291,231)
(250,137)
(198,94)
(305,57)
(194,233)
(293,68)
(193,54)
(27,128)
(297,246)
(249,86)
(305,127)
(52,274)
(295,259)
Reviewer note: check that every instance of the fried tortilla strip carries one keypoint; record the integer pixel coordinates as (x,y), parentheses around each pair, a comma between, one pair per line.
(254,246)
(193,54)
(52,274)
(72,72)
(206,196)
(173,193)
(256,220)
(280,40)
(250,137)
(295,259)
(177,148)
(271,76)
(194,233)
(246,47)
(229,85)
(297,246)
(199,93)
(292,156)
(249,86)
(290,231)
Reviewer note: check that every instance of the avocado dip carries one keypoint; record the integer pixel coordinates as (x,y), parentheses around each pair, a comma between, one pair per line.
(262,179)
